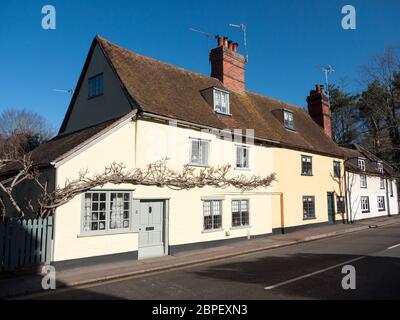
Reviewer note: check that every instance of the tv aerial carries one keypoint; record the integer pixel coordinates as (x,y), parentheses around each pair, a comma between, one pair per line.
(327,70)
(68,91)
(242,27)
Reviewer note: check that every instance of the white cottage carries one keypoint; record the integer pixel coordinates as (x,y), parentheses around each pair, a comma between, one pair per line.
(371,185)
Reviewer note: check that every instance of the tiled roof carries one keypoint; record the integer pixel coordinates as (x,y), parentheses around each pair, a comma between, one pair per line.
(354,151)
(57,147)
(170,91)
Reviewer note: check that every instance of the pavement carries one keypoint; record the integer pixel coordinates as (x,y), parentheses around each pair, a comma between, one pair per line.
(106,272)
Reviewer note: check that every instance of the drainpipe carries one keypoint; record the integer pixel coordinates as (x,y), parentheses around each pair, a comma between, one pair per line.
(348,198)
(387,197)
(282,215)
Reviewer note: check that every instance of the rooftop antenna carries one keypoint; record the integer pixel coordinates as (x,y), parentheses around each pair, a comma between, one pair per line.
(69,91)
(206,34)
(242,27)
(327,70)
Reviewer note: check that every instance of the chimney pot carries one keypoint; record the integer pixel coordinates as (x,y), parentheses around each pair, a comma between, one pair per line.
(230,45)
(235,46)
(220,41)
(226,42)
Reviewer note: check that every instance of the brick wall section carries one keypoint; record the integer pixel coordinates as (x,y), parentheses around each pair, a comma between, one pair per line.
(228,66)
(318,108)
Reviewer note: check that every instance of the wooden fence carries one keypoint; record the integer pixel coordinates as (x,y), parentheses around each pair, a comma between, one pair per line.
(25,243)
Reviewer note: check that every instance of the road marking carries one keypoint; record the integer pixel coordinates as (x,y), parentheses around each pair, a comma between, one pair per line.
(392,247)
(312,274)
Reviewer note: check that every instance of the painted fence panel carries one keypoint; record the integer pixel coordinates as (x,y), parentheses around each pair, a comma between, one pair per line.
(25,243)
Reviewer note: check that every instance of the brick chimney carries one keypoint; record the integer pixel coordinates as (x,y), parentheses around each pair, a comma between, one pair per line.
(227,65)
(318,108)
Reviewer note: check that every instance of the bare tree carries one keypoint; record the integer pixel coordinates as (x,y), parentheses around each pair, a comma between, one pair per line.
(23,128)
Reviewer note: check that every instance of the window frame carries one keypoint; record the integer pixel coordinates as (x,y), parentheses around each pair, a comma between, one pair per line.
(191,152)
(93,78)
(227,102)
(337,165)
(367,210)
(363,186)
(211,201)
(383,208)
(311,165)
(288,124)
(379,166)
(241,226)
(313,214)
(342,200)
(107,230)
(390,183)
(382,183)
(361,164)
(242,147)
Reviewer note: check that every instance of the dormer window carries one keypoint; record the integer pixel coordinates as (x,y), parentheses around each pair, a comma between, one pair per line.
(221,101)
(288,119)
(380,167)
(361,164)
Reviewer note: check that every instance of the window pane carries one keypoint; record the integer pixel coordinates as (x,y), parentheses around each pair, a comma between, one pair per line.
(195,157)
(119,210)
(238,157)
(204,152)
(207,208)
(216,208)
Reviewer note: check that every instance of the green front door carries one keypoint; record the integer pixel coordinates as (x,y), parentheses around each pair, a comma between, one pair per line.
(331,208)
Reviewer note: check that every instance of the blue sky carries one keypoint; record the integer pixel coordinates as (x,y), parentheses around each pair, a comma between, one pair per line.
(288,41)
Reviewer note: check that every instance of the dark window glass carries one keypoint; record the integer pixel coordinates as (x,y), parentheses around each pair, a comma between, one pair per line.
(240,213)
(96,86)
(308,207)
(306,165)
(340,204)
(336,169)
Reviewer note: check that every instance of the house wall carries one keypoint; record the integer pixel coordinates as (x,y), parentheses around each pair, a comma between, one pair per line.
(68,240)
(373,190)
(155,141)
(113,103)
(287,165)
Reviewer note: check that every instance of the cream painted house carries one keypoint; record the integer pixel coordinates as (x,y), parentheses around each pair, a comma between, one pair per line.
(136,110)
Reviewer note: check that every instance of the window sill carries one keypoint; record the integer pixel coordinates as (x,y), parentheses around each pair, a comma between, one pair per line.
(307,175)
(312,218)
(223,113)
(242,169)
(212,230)
(240,227)
(99,234)
(97,95)
(381,210)
(198,165)
(365,211)
(363,187)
